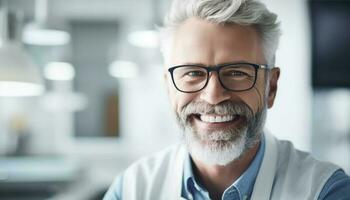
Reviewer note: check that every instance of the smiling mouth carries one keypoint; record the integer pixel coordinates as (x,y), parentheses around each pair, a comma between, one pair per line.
(214,118)
(216,122)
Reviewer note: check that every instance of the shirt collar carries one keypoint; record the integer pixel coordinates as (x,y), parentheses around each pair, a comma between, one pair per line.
(244,184)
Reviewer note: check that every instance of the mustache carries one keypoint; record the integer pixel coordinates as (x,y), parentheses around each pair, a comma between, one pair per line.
(223,108)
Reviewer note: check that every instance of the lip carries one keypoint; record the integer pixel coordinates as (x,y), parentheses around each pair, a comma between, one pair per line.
(216,126)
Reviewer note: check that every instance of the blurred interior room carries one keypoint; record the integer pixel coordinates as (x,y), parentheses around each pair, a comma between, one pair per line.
(82,93)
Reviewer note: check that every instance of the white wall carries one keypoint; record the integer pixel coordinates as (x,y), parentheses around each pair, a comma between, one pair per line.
(290,118)
(147,121)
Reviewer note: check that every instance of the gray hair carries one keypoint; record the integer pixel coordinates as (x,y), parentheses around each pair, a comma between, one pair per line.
(242,12)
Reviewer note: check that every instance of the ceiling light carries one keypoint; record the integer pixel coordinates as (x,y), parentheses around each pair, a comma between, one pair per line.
(144,39)
(19,76)
(40,32)
(19,89)
(59,71)
(123,69)
(36,34)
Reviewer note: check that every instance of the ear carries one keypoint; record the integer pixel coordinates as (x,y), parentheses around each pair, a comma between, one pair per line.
(274,76)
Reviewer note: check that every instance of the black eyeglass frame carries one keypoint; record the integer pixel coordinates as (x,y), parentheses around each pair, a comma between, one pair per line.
(217,68)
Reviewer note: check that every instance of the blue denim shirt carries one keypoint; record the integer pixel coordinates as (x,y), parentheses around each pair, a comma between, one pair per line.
(336,188)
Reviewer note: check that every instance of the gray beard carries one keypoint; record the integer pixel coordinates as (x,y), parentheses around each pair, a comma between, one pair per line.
(221,147)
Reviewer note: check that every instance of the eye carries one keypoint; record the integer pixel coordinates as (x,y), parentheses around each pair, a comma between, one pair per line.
(235,74)
(238,73)
(195,73)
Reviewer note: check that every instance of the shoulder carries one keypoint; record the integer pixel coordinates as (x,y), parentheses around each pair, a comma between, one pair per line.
(337,187)
(289,156)
(156,176)
(140,171)
(295,167)
(155,162)
(143,172)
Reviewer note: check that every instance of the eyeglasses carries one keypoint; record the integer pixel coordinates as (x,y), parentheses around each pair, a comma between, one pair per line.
(232,76)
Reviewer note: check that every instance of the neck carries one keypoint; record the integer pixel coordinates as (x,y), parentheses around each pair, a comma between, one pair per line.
(216,178)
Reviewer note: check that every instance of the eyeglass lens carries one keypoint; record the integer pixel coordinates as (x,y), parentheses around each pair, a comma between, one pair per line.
(194,78)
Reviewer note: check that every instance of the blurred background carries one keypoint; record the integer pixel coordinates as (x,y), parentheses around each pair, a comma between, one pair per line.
(82,94)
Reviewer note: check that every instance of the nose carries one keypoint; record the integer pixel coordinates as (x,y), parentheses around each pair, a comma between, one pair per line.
(214,93)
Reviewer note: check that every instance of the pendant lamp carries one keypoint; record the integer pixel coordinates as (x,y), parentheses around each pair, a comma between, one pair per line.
(19,76)
(40,32)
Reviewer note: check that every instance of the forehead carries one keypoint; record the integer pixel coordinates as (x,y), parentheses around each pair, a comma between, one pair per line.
(200,41)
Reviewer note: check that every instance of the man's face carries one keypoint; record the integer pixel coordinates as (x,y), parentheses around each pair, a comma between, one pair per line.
(238,115)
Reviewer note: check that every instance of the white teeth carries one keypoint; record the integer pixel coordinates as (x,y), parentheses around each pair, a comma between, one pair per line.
(212,119)
(217,118)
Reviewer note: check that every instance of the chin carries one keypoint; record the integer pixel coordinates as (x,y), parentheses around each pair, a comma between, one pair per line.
(216,152)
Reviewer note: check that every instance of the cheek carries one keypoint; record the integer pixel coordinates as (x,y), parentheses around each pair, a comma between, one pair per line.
(181,99)
(251,99)
(178,99)
(254,98)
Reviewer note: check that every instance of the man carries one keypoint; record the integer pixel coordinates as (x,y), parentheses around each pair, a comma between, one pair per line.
(221,79)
